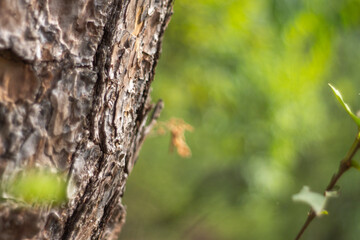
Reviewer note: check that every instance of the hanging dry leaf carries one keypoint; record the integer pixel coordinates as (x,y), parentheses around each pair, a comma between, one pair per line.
(177,128)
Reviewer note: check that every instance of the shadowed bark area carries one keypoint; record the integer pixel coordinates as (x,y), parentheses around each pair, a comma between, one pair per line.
(74,98)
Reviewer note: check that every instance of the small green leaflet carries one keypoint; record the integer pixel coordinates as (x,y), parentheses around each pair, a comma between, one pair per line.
(317,201)
(355,165)
(345,106)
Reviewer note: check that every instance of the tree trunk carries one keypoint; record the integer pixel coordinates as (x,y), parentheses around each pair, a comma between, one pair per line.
(75,77)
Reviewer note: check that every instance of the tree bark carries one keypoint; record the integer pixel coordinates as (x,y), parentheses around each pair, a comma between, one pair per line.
(75,77)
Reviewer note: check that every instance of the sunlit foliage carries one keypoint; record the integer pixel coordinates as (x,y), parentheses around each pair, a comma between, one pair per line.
(251,78)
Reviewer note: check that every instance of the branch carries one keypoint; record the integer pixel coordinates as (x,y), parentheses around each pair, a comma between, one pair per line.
(345,165)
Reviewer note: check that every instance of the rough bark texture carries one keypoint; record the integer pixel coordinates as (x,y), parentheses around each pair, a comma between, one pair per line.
(75,77)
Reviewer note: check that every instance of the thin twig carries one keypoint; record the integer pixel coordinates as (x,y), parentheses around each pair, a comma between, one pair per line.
(345,164)
(311,216)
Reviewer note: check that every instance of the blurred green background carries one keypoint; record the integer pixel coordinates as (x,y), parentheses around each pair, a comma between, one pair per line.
(251,77)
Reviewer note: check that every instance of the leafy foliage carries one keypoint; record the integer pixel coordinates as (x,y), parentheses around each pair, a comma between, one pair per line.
(250,77)
(345,106)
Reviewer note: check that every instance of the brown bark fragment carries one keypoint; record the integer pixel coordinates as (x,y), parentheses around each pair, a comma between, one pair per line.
(17,80)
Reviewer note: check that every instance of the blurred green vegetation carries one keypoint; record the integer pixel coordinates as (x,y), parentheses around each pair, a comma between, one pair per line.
(36,187)
(251,78)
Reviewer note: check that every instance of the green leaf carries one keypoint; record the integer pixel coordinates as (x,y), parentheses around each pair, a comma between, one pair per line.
(344,105)
(355,165)
(317,201)
(324,212)
(39,186)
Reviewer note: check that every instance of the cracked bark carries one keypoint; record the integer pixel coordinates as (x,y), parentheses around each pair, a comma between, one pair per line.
(74,97)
